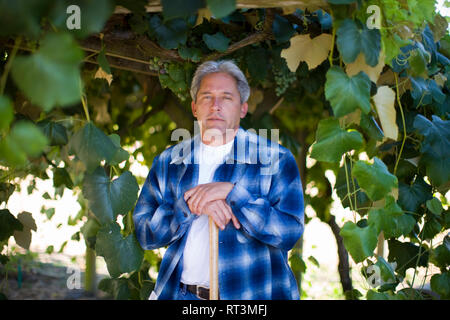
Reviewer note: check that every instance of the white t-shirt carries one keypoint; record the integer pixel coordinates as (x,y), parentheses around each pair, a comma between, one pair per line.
(196,252)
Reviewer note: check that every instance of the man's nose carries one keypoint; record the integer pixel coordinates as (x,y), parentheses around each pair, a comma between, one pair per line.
(216,104)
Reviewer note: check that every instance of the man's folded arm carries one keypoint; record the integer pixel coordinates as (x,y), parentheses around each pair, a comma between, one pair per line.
(278,219)
(159,220)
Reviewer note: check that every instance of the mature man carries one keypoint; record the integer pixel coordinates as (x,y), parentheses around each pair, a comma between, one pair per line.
(222,173)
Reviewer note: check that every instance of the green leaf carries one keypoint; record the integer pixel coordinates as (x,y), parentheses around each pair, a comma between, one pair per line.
(122,255)
(170,34)
(352,39)
(118,288)
(25,139)
(435,148)
(61,177)
(23,237)
(411,197)
(342,189)
(282,29)
(406,255)
(440,256)
(221,8)
(8,224)
(391,219)
(93,15)
(50,77)
(22,17)
(374,179)
(6,190)
(180,8)
(431,227)
(92,146)
(435,206)
(121,154)
(217,41)
(440,283)
(193,54)
(109,198)
(356,88)
(360,242)
(56,133)
(6,112)
(102,62)
(256,58)
(332,141)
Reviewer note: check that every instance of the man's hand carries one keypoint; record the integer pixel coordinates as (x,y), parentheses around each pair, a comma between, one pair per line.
(221,213)
(197,197)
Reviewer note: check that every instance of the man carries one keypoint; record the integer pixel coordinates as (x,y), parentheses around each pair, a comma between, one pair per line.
(257,205)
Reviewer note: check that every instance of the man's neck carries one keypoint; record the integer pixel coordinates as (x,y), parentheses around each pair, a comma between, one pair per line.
(219,140)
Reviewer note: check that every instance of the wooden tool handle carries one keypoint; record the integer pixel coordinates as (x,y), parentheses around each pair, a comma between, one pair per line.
(213,260)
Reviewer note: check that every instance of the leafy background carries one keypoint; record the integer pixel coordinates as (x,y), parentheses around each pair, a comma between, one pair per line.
(368,107)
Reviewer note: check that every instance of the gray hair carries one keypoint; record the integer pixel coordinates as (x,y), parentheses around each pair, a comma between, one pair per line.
(226,66)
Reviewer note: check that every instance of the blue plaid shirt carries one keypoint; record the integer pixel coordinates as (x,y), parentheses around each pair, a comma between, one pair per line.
(267,199)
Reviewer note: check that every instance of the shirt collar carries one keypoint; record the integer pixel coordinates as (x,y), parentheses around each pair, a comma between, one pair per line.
(244,142)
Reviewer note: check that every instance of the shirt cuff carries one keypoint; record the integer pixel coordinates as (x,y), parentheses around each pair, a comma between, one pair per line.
(182,212)
(238,197)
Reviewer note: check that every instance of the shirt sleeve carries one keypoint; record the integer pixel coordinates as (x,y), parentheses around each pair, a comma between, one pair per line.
(278,218)
(158,218)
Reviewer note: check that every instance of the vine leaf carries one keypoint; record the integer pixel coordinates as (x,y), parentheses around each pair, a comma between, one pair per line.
(332,141)
(435,148)
(406,254)
(303,48)
(170,34)
(25,139)
(411,197)
(356,88)
(6,112)
(282,29)
(352,39)
(50,77)
(221,8)
(440,283)
(109,198)
(360,242)
(23,237)
(374,179)
(180,8)
(217,41)
(92,146)
(122,255)
(56,133)
(384,102)
(391,220)
(360,64)
(8,224)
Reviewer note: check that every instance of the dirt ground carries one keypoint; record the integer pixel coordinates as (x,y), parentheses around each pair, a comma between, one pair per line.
(43,281)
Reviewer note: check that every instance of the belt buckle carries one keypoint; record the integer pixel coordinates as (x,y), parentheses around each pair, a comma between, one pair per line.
(197,292)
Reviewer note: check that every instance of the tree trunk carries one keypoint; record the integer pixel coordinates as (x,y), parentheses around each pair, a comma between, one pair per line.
(343,266)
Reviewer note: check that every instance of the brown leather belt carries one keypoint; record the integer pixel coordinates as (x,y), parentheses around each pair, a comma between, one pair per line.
(201,292)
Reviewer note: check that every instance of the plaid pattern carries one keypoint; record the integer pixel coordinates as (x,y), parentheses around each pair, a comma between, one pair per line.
(253,259)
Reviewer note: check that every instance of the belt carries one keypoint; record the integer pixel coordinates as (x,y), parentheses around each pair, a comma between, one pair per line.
(199,291)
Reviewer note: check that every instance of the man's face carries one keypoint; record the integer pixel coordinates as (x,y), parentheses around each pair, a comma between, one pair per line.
(218,105)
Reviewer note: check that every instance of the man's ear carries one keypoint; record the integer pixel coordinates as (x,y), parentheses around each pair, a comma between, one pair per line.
(244,109)
(194,112)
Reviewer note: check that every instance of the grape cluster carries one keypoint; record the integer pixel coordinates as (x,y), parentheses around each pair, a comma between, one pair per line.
(283,79)
(157,65)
